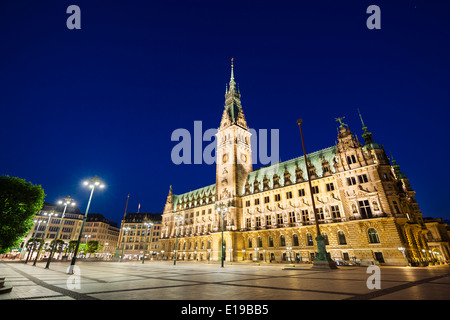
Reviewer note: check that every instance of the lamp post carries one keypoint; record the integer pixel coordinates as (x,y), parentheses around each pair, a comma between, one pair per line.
(149,225)
(243,255)
(43,238)
(257,255)
(67,201)
(124,241)
(177,218)
(92,184)
(34,239)
(322,259)
(222,209)
(289,249)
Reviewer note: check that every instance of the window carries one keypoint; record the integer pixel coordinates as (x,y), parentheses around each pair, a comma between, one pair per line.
(341,238)
(315,189)
(295,240)
(309,240)
(362,178)
(282,241)
(379,257)
(266,199)
(351,159)
(270,242)
(279,218)
(260,242)
(397,210)
(305,216)
(268,220)
(365,210)
(277,197)
(301,192)
(373,236)
(249,242)
(330,186)
(249,223)
(351,181)
(289,195)
(320,213)
(247,203)
(291,217)
(335,212)
(256,201)
(258,221)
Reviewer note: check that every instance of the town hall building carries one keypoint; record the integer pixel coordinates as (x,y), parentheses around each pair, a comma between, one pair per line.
(365,205)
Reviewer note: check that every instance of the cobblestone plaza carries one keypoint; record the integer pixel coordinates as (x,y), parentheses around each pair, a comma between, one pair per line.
(201,281)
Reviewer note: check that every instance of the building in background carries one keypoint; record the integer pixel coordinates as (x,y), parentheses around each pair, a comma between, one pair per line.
(46,225)
(106,232)
(137,239)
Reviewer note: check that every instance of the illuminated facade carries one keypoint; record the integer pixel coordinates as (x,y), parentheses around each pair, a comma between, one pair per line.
(137,239)
(366,207)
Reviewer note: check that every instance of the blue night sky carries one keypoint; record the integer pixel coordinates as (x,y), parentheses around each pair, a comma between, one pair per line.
(104,100)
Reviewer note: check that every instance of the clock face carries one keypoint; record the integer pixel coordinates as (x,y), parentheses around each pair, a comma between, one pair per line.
(225,158)
(243,158)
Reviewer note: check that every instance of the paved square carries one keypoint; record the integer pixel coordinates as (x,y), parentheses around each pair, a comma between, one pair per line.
(201,281)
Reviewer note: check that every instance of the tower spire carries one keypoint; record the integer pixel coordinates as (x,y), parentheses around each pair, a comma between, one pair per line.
(233,112)
(366,135)
(232,82)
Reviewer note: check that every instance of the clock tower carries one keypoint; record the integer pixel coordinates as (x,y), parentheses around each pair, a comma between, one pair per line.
(234,157)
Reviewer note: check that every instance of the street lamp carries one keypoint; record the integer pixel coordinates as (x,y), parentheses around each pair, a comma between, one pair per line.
(149,225)
(322,260)
(67,201)
(124,241)
(257,255)
(289,249)
(45,232)
(222,209)
(177,218)
(92,183)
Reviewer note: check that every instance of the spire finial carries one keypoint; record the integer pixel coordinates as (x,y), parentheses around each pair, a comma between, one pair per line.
(232,71)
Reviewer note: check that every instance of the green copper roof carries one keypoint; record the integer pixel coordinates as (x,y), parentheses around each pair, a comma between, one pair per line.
(198,196)
(316,159)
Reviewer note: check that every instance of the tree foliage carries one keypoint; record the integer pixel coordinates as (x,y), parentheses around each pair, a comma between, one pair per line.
(19,202)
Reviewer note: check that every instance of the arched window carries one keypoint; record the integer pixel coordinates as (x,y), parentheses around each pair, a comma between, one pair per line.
(295,240)
(309,239)
(270,241)
(249,242)
(282,241)
(341,238)
(260,242)
(373,235)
